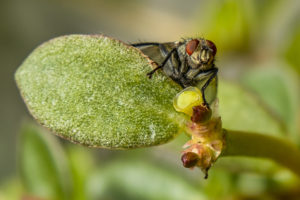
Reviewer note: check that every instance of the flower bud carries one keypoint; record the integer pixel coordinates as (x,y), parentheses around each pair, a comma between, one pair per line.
(201,114)
(187,99)
(189,159)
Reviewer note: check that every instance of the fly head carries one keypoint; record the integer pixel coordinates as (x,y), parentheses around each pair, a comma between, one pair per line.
(200,53)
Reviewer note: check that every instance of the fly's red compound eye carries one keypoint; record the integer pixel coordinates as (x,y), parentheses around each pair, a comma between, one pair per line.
(212,46)
(191,46)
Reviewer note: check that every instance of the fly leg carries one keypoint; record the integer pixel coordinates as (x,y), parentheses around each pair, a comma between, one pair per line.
(148,44)
(213,73)
(163,63)
(145,44)
(161,47)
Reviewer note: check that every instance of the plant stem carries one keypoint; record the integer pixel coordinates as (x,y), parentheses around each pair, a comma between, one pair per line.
(282,151)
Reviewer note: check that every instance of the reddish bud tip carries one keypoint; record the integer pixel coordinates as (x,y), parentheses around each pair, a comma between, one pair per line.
(201,114)
(189,159)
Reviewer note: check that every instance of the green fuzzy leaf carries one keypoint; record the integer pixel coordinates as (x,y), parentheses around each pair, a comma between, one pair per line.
(93,90)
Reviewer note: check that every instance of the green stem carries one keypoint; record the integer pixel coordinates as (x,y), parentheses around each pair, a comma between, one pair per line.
(282,151)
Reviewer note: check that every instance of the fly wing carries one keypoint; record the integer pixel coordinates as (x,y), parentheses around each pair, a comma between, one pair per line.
(171,68)
(157,53)
(153,52)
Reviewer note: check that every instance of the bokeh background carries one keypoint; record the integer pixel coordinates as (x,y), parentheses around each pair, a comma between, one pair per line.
(258,56)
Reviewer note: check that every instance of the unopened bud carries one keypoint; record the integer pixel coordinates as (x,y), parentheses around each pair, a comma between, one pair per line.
(187,99)
(189,159)
(201,114)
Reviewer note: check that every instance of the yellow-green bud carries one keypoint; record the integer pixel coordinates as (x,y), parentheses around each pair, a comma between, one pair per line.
(187,99)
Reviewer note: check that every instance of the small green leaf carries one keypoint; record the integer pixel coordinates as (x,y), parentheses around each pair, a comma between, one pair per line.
(242,111)
(291,53)
(93,90)
(277,87)
(140,180)
(81,163)
(43,165)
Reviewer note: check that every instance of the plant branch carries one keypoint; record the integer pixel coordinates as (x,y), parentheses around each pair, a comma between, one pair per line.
(282,151)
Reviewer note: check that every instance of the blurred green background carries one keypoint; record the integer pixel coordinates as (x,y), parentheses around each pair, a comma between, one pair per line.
(258,56)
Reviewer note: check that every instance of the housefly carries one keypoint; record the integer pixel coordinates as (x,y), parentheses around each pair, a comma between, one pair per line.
(189,62)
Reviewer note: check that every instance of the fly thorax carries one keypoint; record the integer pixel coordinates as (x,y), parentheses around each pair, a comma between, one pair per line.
(191,73)
(205,67)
